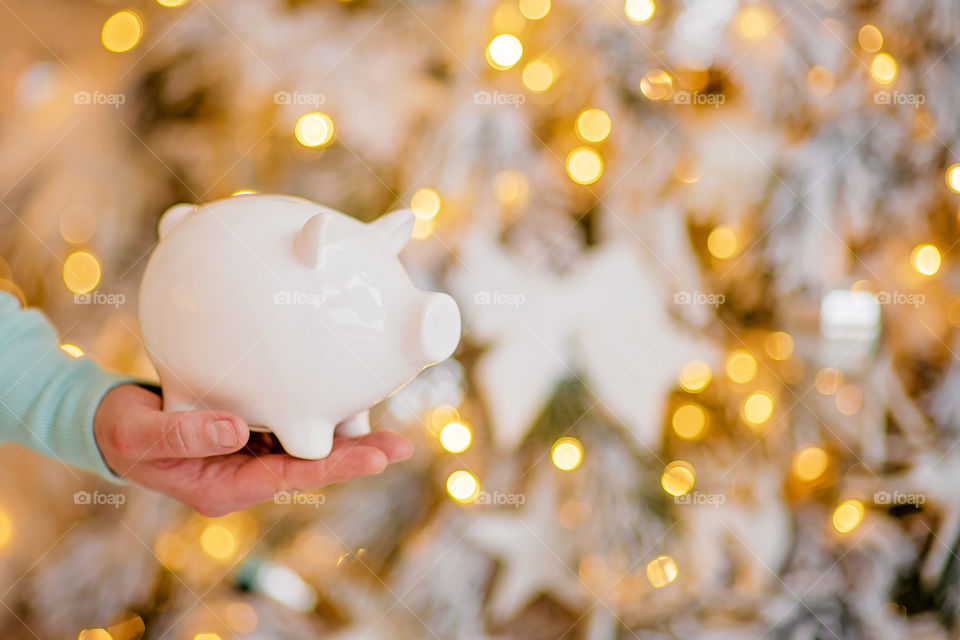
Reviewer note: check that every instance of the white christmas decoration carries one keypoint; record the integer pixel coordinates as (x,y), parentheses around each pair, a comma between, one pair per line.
(603,321)
(536,553)
(850,324)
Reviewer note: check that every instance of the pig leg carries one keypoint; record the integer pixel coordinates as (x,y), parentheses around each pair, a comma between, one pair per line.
(176,397)
(310,440)
(355,426)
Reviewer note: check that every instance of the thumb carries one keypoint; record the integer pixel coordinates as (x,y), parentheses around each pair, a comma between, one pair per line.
(187,434)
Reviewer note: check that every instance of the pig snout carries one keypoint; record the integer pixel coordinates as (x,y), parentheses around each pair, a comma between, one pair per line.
(435,330)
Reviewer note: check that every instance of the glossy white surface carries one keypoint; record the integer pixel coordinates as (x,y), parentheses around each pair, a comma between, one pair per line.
(292,315)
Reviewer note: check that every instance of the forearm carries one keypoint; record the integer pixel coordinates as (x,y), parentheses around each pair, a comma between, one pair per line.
(48,399)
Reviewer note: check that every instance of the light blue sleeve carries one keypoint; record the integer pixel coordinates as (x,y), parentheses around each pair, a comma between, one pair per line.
(47,398)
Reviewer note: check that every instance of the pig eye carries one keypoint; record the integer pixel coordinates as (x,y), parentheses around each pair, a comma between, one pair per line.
(359,304)
(367,304)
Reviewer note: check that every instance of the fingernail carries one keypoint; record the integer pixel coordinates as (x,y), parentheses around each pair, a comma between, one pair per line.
(405,454)
(223,433)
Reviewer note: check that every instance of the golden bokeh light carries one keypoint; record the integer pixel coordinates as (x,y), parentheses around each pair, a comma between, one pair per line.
(689,421)
(314,129)
(953,310)
(584,165)
(722,242)
(695,78)
(828,380)
(678,478)
(573,513)
(440,416)
(640,11)
(72,350)
(741,366)
(511,187)
(81,272)
(207,636)
(10,287)
(820,81)
(218,542)
(848,515)
(241,617)
(423,228)
(6,528)
(504,51)
(122,31)
(657,84)
(792,370)
(534,9)
(456,437)
(172,550)
(925,259)
(695,376)
(566,453)
(243,192)
(953,178)
(883,68)
(538,75)
(757,408)
(869,38)
(593,125)
(425,203)
(778,345)
(172,3)
(95,634)
(77,224)
(661,571)
(507,18)
(463,486)
(810,463)
(687,170)
(849,399)
(753,22)
(128,626)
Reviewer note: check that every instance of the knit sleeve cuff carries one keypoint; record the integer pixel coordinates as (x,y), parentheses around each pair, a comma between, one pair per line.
(97,387)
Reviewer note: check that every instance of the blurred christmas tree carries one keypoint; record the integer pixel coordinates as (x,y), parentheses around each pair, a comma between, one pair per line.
(673,229)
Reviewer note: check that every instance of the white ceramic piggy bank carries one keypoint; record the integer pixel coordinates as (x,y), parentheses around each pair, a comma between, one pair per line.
(292,315)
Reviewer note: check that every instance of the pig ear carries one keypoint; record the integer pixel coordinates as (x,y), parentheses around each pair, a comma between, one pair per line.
(172,217)
(310,240)
(392,230)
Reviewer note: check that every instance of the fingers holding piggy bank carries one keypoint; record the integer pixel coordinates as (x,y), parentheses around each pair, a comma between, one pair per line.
(294,316)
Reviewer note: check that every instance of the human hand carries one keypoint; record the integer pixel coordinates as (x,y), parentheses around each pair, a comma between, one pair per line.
(195,456)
